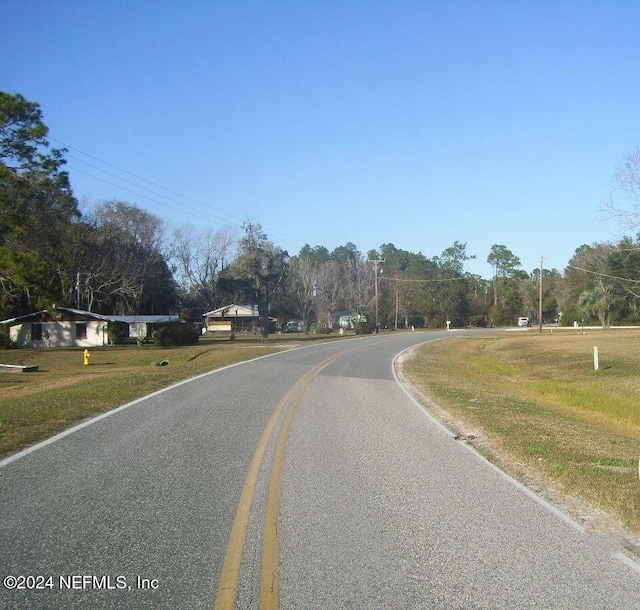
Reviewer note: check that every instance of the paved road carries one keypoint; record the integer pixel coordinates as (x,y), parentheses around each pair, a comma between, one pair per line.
(307,479)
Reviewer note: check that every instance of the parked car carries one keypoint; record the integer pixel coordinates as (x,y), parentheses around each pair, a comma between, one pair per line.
(293,326)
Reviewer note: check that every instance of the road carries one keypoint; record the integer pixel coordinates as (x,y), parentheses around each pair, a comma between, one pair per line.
(306,479)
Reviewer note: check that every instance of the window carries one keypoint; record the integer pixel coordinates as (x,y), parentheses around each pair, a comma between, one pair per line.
(81,330)
(36,331)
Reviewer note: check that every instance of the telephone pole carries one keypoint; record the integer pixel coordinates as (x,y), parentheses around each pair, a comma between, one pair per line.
(540,296)
(375,267)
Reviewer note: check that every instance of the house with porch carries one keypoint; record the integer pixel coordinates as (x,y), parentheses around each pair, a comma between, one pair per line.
(233,319)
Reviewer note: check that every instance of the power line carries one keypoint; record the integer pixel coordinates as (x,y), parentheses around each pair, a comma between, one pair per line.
(195,213)
(613,277)
(189,208)
(124,171)
(397,279)
(205,209)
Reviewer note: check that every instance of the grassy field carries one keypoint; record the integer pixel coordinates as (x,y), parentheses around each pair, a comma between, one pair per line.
(63,392)
(534,401)
(538,407)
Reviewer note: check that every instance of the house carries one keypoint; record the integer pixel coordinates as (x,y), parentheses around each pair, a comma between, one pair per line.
(67,327)
(233,319)
(58,327)
(140,327)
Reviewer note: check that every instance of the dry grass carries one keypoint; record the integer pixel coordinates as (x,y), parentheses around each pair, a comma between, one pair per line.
(537,400)
(63,392)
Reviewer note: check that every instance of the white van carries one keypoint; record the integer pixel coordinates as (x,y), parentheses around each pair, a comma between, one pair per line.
(523,321)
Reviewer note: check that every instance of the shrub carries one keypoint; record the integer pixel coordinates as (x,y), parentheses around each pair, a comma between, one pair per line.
(114,333)
(5,342)
(320,329)
(176,334)
(363,328)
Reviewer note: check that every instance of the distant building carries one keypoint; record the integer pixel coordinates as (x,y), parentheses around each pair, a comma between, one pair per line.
(233,319)
(141,328)
(67,327)
(60,327)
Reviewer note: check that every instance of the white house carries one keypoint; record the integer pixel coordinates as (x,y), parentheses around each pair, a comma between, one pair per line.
(60,327)
(67,327)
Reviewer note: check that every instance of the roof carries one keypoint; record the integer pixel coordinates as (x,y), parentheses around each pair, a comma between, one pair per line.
(234,311)
(35,314)
(149,319)
(96,316)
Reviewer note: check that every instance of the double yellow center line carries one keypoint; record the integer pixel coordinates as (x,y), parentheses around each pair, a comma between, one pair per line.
(269,582)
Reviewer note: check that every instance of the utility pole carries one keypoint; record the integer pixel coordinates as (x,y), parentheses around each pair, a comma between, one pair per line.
(397,303)
(540,296)
(375,267)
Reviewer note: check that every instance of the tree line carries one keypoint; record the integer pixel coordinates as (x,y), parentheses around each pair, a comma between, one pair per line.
(116,258)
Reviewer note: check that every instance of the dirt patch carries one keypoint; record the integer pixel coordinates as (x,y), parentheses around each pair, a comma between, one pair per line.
(20,391)
(41,381)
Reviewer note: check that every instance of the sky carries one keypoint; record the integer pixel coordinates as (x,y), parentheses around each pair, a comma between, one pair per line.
(374,122)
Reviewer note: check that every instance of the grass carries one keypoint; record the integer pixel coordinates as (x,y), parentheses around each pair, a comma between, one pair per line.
(64,392)
(538,402)
(535,398)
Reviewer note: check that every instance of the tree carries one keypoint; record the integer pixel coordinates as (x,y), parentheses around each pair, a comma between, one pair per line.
(328,290)
(359,283)
(260,266)
(504,263)
(624,268)
(118,264)
(595,302)
(303,285)
(318,255)
(624,202)
(530,295)
(394,290)
(452,289)
(200,258)
(587,273)
(36,207)
(453,258)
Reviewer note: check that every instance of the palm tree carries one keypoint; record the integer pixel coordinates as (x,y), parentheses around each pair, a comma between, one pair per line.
(595,302)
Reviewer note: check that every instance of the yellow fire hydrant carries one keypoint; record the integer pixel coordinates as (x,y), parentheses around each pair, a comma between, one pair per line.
(87,356)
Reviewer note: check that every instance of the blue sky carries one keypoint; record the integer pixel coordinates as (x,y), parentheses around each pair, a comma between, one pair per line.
(412,123)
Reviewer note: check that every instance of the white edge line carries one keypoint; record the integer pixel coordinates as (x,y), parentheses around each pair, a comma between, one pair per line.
(540,500)
(626,560)
(555,510)
(17,456)
(24,452)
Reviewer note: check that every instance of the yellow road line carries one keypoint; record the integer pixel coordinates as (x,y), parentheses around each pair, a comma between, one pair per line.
(231,568)
(227,589)
(269,581)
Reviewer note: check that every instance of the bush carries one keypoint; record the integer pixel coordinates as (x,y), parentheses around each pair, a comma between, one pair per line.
(5,342)
(114,332)
(363,328)
(176,334)
(320,329)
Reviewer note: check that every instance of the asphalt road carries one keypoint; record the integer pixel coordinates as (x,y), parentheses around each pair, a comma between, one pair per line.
(306,479)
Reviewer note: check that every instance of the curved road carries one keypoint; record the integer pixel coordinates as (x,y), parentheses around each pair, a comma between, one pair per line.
(306,479)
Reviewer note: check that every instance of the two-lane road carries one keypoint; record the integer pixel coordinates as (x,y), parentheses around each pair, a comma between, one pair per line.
(307,479)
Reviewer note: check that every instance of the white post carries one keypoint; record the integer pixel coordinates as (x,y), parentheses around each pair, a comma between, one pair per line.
(595,358)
